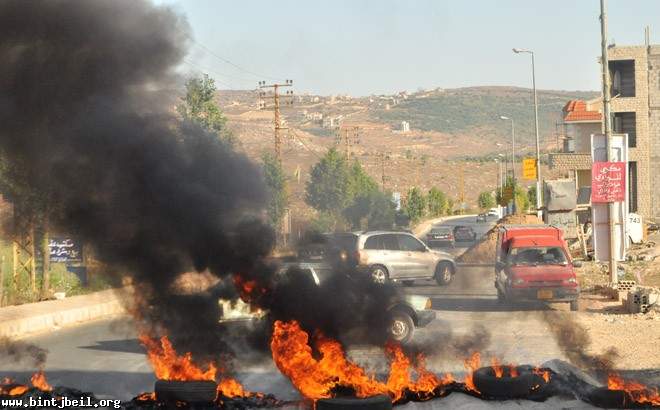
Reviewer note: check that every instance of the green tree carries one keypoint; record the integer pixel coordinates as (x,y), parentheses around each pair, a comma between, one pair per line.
(359,182)
(276,189)
(373,210)
(328,187)
(521,198)
(415,206)
(531,195)
(486,200)
(438,202)
(199,106)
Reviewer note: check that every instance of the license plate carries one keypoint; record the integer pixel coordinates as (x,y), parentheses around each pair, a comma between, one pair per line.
(544,294)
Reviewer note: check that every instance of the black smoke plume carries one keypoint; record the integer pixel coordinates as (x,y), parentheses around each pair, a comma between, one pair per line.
(89,137)
(23,352)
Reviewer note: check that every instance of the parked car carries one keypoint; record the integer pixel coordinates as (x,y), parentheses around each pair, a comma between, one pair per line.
(494,212)
(440,236)
(464,234)
(482,218)
(533,263)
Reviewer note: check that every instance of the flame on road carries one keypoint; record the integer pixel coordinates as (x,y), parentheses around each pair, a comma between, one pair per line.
(9,388)
(317,378)
(168,365)
(638,392)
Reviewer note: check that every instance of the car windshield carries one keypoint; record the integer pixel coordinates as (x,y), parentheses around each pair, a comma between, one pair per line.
(540,255)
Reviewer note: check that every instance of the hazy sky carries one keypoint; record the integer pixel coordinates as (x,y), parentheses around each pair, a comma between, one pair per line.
(361,47)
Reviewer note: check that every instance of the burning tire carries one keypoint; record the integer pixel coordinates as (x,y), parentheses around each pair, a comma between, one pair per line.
(525,384)
(185,391)
(369,403)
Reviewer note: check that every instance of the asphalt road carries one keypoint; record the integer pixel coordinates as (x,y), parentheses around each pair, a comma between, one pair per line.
(105,357)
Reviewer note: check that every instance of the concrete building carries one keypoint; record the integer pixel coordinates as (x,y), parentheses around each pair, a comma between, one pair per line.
(635,106)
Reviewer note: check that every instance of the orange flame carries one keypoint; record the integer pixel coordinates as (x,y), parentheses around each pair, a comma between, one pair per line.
(230,387)
(543,373)
(497,367)
(513,370)
(168,365)
(247,289)
(316,378)
(472,364)
(146,397)
(639,392)
(38,380)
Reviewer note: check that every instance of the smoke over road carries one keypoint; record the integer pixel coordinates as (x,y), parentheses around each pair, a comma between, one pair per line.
(90,139)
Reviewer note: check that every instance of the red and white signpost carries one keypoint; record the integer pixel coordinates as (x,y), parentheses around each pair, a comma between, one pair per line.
(608,182)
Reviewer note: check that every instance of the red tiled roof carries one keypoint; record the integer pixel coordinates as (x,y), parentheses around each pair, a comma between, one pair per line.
(576,110)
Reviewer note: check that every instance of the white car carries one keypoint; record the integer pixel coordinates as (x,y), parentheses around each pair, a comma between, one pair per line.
(400,257)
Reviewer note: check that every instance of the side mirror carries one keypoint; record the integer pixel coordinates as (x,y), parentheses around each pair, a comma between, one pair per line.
(577,264)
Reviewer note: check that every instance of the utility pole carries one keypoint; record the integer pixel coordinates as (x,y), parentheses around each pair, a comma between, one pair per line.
(276,109)
(348,136)
(462,187)
(607,126)
(382,156)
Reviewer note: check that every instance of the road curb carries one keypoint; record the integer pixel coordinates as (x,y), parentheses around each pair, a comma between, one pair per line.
(22,320)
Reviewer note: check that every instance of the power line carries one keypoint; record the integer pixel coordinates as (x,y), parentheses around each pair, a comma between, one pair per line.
(245,70)
(240,79)
(208,71)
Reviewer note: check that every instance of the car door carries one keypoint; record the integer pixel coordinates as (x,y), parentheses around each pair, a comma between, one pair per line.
(415,256)
(395,258)
(383,249)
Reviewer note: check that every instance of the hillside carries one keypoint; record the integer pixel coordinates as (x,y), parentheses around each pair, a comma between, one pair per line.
(476,110)
(451,130)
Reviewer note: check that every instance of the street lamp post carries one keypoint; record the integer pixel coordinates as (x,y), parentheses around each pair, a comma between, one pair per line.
(536,128)
(513,158)
(513,146)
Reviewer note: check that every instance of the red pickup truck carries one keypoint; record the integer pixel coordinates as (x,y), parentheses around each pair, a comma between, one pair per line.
(533,263)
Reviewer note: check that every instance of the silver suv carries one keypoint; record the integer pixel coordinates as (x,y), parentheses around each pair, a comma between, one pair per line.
(400,256)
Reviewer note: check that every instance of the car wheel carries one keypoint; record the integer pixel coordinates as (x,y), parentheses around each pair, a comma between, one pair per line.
(444,273)
(379,274)
(574,305)
(401,327)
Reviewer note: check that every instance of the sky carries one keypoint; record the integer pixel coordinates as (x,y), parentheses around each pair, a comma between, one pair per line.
(362,47)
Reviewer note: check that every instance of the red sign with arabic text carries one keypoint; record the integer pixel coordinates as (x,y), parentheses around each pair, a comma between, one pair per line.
(608,182)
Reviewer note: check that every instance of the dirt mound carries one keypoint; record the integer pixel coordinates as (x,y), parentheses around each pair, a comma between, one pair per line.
(484,250)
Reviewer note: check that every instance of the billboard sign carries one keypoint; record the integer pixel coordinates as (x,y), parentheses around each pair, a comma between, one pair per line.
(65,250)
(600,210)
(608,182)
(529,168)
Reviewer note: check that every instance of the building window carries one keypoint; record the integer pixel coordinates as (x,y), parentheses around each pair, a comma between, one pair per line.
(622,76)
(626,123)
(632,186)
